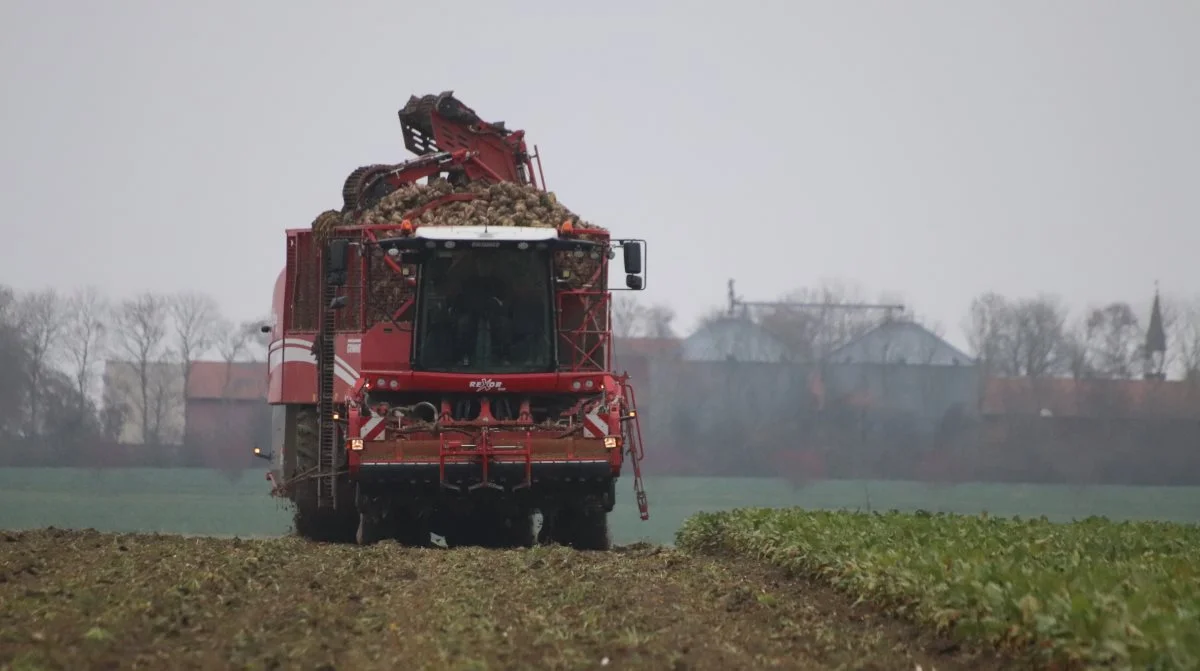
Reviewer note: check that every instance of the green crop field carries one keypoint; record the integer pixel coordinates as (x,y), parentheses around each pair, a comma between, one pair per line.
(1094,592)
(1124,592)
(199,501)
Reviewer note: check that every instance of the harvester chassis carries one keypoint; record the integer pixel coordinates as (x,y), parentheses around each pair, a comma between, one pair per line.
(572,513)
(498,501)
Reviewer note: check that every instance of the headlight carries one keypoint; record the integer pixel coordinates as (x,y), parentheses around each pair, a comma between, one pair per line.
(356,444)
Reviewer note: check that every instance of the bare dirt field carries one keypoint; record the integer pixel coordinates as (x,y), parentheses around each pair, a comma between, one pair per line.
(84,600)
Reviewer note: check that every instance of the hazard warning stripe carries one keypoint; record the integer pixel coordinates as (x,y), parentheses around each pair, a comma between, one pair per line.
(594,426)
(372,429)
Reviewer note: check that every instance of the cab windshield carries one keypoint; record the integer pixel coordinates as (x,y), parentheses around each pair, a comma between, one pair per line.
(485,311)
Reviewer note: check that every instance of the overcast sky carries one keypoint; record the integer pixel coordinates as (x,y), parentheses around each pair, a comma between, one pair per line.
(930,149)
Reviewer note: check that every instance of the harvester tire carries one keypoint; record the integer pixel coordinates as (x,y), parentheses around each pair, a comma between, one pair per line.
(311,522)
(591,532)
(580,529)
(368,530)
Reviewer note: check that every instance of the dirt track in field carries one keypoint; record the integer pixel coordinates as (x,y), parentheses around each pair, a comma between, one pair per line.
(81,599)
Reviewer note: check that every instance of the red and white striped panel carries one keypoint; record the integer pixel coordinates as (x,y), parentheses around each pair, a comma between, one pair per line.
(373,428)
(299,350)
(595,425)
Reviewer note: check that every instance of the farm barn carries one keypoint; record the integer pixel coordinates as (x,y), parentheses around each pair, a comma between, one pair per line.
(214,423)
(1092,430)
(227,413)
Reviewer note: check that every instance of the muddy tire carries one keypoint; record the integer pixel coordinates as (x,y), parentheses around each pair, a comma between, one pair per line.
(311,522)
(370,530)
(592,532)
(580,530)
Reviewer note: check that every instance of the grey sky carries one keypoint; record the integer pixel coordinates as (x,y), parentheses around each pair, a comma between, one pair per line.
(934,149)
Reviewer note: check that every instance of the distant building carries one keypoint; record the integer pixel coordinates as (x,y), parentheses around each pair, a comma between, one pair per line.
(1091,399)
(227,411)
(1094,430)
(733,339)
(900,342)
(902,367)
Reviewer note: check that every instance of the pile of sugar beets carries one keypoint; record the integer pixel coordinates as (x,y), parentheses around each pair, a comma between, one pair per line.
(500,204)
(494,204)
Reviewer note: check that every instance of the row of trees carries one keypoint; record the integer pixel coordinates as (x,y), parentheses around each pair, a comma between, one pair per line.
(1038,336)
(54,345)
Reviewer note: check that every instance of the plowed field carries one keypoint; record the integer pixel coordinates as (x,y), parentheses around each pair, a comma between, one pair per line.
(83,600)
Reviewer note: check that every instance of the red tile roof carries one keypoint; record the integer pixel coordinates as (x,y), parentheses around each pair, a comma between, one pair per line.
(1092,398)
(218,380)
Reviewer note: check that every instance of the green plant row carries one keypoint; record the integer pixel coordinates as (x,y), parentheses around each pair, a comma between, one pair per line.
(1092,593)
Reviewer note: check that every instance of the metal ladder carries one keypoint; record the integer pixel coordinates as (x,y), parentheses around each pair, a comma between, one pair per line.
(326,424)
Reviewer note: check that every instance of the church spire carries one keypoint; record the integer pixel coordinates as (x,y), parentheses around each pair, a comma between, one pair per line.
(1155,349)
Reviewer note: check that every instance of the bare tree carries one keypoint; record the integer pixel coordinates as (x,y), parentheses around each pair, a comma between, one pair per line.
(41,317)
(1041,324)
(1074,358)
(140,335)
(628,317)
(195,318)
(1113,338)
(1182,323)
(1025,337)
(811,333)
(233,341)
(14,362)
(657,319)
(987,325)
(84,336)
(166,396)
(259,342)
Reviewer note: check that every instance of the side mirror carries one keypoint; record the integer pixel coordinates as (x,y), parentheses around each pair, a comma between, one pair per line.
(634,282)
(335,262)
(633,257)
(265,328)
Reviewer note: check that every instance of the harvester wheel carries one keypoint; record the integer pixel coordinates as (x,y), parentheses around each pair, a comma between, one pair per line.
(579,528)
(591,532)
(311,522)
(368,530)
(410,528)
